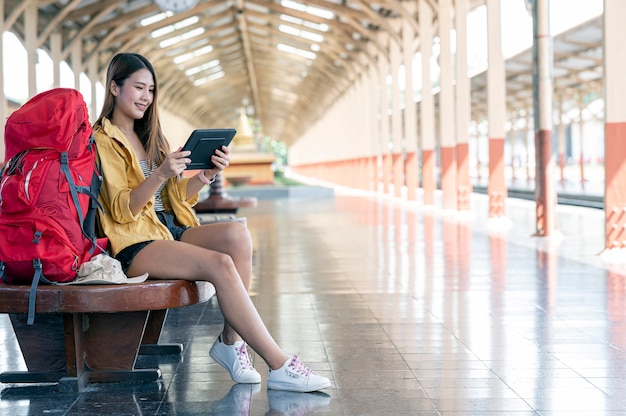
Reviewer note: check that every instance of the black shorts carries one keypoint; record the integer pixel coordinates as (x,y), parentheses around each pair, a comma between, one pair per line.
(167,218)
(127,255)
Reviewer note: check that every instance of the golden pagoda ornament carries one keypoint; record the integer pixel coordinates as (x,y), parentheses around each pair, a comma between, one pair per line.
(247,164)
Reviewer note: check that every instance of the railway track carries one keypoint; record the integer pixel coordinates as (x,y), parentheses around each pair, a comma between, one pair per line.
(564,198)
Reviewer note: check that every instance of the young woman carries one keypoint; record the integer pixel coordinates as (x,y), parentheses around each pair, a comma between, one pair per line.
(152,228)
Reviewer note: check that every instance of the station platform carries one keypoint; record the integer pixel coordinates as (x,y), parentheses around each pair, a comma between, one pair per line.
(409,310)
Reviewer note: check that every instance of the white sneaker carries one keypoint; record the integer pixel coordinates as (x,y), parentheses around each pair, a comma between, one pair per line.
(236,360)
(295,376)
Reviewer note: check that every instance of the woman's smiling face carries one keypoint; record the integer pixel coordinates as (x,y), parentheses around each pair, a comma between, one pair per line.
(136,95)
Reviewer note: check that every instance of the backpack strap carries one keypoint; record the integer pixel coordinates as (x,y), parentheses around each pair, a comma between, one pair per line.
(65,168)
(93,191)
(94,188)
(32,295)
(2,275)
(87,222)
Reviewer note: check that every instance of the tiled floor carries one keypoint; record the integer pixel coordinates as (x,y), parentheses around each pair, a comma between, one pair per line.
(409,310)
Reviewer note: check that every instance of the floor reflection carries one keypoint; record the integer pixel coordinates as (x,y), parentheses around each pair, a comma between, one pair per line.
(409,310)
(286,403)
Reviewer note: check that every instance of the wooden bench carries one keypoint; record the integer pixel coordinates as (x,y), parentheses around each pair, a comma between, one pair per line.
(105,328)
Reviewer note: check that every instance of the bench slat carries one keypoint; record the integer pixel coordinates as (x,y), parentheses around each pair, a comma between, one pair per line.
(149,295)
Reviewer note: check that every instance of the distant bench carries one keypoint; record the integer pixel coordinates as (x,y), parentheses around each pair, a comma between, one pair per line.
(105,328)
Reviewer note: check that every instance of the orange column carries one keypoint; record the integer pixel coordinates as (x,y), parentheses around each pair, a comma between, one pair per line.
(427,105)
(615,185)
(446,108)
(360,105)
(372,147)
(411,175)
(384,124)
(496,107)
(396,120)
(365,174)
(463,107)
(373,168)
(545,194)
(387,168)
(615,128)
(410,109)
(398,173)
(464,183)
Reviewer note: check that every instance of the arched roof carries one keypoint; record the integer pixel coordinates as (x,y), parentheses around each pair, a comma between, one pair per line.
(287,60)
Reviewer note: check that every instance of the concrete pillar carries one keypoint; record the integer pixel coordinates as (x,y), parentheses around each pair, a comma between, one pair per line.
(446,109)
(30,43)
(410,110)
(397,151)
(56,54)
(383,110)
(77,64)
(545,194)
(92,70)
(615,123)
(373,147)
(463,107)
(360,101)
(496,106)
(427,106)
(360,137)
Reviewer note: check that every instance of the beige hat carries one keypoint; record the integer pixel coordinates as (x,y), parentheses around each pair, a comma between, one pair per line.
(104,270)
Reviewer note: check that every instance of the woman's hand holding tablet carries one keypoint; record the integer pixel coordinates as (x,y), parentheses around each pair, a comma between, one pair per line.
(203,142)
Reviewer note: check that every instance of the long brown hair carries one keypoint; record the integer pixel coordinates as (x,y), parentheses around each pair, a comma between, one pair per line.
(148,128)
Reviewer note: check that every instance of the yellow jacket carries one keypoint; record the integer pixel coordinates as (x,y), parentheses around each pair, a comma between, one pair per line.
(122,173)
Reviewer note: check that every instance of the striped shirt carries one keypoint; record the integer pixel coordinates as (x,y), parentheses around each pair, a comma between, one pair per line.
(158,201)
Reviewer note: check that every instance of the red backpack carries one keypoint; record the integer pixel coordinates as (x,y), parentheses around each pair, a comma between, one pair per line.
(48,192)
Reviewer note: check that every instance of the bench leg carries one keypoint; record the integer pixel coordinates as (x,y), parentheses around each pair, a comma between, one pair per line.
(42,343)
(112,339)
(102,347)
(150,342)
(42,347)
(76,379)
(54,338)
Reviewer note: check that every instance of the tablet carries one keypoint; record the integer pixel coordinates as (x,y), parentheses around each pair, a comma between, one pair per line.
(203,143)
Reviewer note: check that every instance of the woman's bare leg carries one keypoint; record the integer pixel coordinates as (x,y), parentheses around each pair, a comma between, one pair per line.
(180,260)
(231,238)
